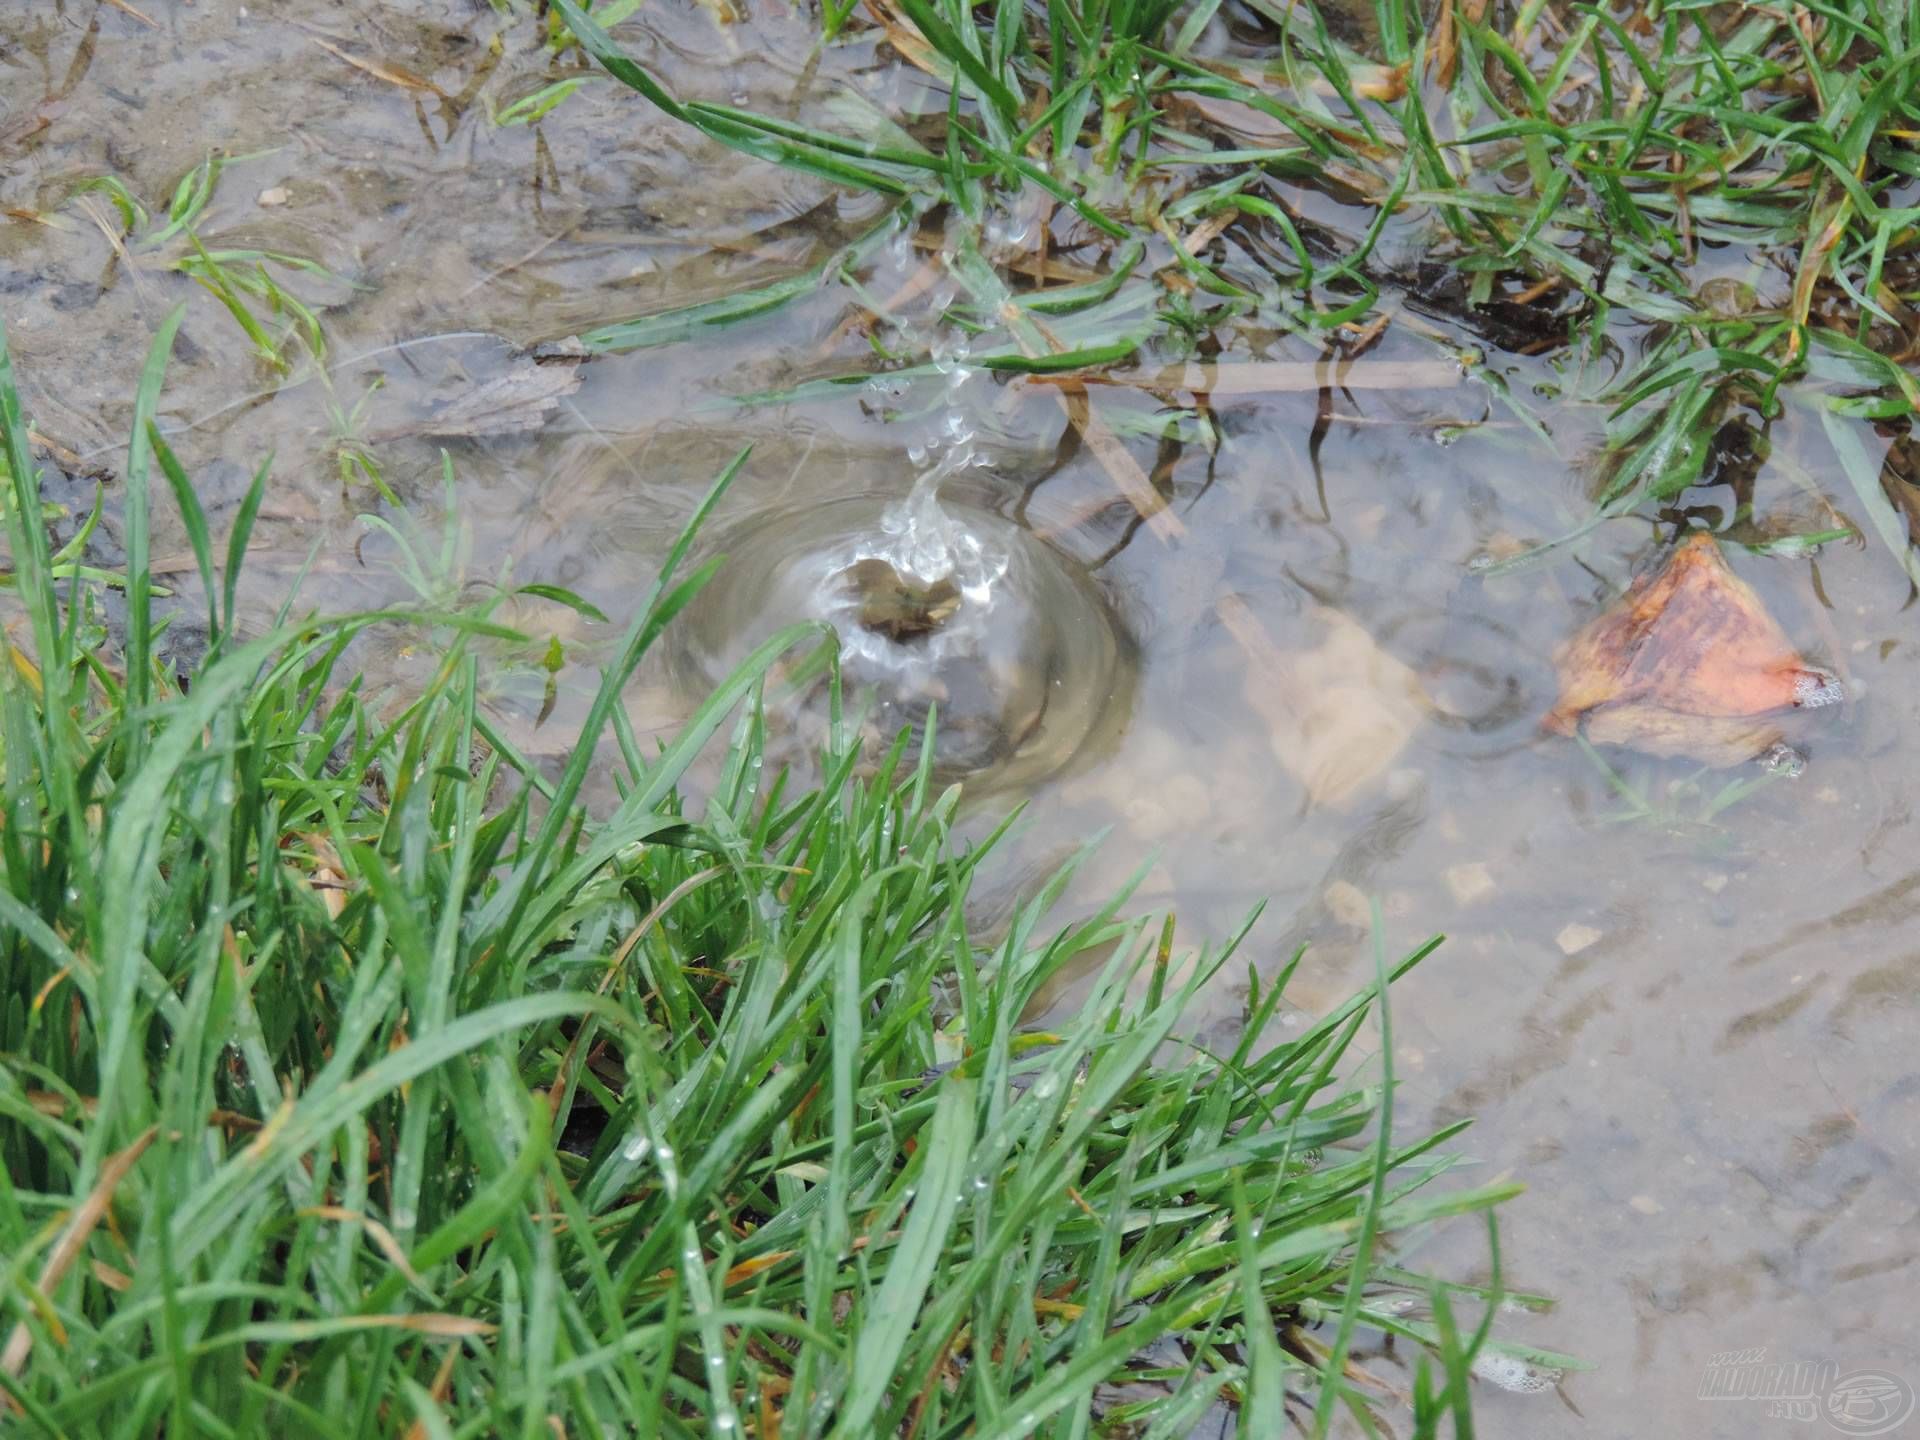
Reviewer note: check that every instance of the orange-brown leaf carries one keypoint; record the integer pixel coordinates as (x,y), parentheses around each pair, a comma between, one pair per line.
(1687,662)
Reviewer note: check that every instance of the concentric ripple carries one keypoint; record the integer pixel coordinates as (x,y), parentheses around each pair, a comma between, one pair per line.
(1015,644)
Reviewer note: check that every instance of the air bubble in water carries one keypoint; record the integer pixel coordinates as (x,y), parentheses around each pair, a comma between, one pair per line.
(1783,760)
(1815,688)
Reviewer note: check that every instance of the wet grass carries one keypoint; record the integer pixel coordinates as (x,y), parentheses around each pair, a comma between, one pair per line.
(1695,216)
(355,1082)
(278,325)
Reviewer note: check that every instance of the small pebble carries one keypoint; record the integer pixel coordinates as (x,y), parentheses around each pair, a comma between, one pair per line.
(1646,1204)
(1469,882)
(1575,938)
(1147,818)
(277,195)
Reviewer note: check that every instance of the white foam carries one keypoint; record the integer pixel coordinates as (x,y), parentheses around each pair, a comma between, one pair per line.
(1509,1372)
(1815,688)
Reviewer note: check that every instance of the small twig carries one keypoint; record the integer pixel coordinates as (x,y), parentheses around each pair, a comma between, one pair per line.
(510,267)
(1120,464)
(1106,446)
(916,285)
(143,18)
(392,74)
(1540,287)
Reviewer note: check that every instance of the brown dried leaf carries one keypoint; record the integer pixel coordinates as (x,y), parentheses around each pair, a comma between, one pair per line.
(1687,662)
(908,41)
(73,1239)
(1337,715)
(1446,52)
(382,1237)
(509,404)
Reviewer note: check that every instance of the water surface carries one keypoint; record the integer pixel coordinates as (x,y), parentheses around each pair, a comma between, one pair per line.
(1692,1038)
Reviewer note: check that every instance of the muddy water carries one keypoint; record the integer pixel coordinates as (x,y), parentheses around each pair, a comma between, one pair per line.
(1691,1036)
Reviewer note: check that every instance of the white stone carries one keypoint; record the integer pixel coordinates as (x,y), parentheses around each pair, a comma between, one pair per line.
(1575,938)
(1469,882)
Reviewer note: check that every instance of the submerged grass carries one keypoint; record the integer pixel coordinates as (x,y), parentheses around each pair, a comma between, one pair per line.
(355,1082)
(1578,177)
(242,279)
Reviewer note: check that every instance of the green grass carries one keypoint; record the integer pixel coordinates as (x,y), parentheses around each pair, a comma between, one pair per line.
(243,280)
(1569,166)
(298,1001)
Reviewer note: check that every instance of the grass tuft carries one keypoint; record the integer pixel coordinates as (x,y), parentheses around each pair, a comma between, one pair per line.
(1565,174)
(356,1083)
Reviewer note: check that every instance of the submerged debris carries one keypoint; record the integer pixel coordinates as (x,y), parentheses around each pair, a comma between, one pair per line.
(896,607)
(1337,715)
(1687,662)
(509,404)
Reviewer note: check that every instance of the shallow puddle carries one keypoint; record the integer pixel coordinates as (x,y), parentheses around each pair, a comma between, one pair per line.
(1688,1029)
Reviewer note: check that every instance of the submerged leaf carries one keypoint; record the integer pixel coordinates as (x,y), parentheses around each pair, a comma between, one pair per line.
(508,404)
(1687,662)
(1337,715)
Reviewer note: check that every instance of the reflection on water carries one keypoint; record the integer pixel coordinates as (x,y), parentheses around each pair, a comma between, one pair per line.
(1688,1029)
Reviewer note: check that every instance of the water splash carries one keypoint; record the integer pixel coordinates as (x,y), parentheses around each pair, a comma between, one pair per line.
(937,602)
(1025,673)
(923,541)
